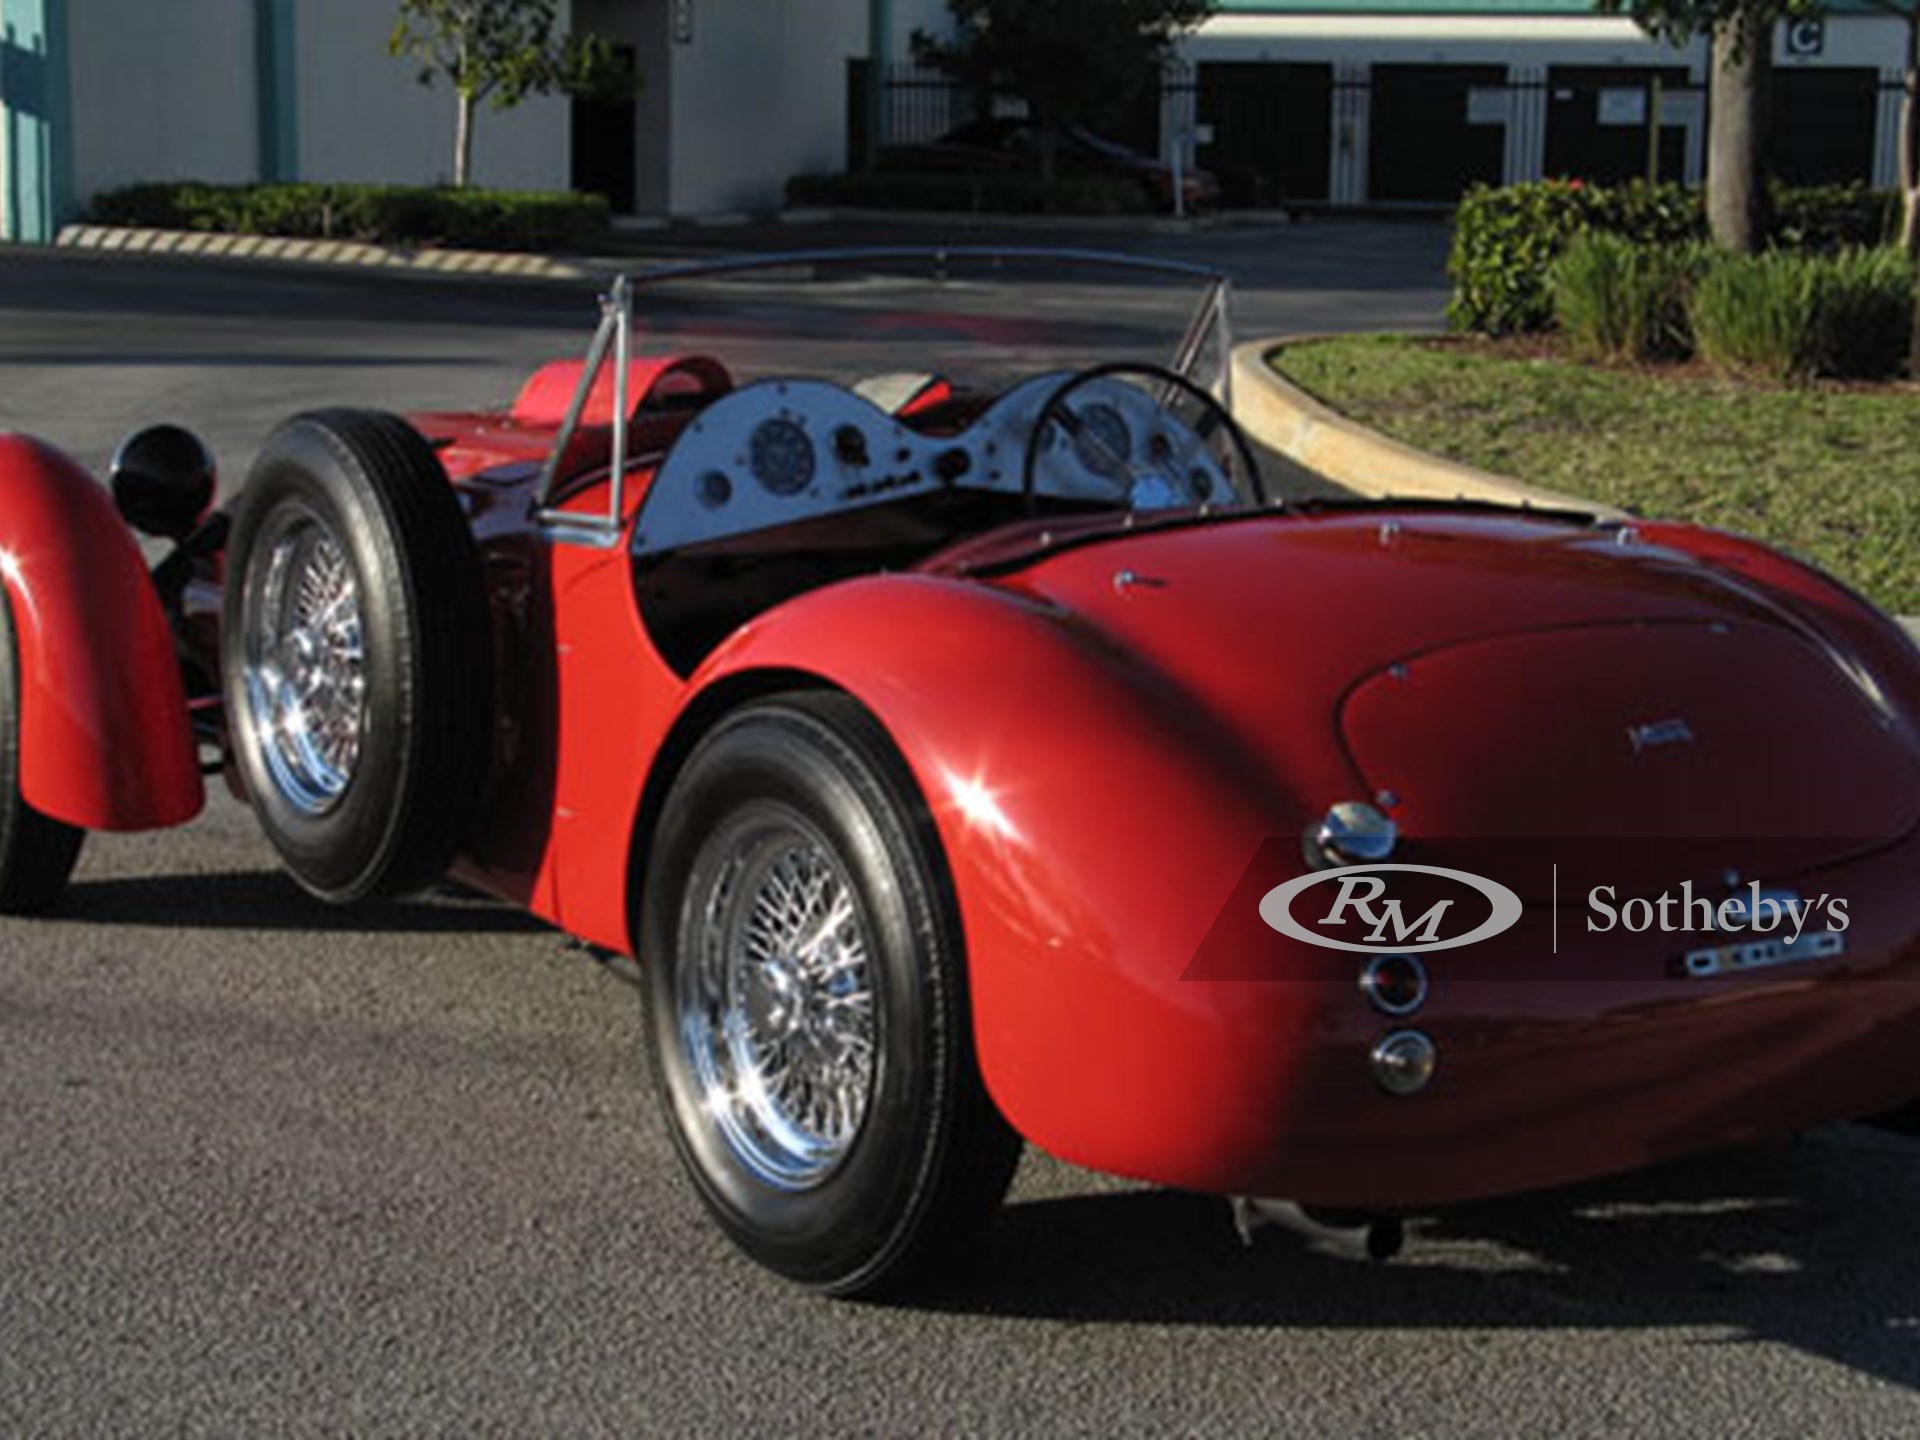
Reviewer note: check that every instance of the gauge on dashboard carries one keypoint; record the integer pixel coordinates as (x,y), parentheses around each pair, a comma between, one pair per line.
(715,489)
(782,456)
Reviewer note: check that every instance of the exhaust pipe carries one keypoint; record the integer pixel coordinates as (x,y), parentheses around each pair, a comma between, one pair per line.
(1354,1234)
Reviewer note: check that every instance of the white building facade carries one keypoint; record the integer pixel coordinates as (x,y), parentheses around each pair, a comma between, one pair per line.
(1342,102)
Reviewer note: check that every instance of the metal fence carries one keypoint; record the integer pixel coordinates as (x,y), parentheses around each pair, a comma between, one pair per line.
(1280,132)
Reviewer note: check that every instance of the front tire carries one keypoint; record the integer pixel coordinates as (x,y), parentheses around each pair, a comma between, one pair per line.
(356,655)
(812,1040)
(37,854)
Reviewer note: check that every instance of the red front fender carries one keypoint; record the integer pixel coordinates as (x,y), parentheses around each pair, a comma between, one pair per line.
(104,736)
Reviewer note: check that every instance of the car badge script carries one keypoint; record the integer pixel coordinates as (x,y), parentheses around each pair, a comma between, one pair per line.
(1356,907)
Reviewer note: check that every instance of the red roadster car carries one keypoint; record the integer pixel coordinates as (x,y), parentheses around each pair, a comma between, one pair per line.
(972,763)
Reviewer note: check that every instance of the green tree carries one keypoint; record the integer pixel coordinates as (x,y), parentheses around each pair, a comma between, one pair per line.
(500,51)
(1074,62)
(1908,163)
(1740,99)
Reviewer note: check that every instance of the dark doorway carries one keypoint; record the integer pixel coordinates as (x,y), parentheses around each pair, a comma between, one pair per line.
(1598,118)
(1272,130)
(1823,124)
(1422,141)
(859,142)
(605,158)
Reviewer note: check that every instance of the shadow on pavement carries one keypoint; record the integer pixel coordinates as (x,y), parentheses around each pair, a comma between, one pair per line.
(270,900)
(1797,1244)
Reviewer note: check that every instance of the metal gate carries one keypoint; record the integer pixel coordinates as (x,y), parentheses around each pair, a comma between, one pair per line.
(1423,140)
(1272,130)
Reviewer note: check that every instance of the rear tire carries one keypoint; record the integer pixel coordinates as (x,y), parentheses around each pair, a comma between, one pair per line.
(37,854)
(356,655)
(806,987)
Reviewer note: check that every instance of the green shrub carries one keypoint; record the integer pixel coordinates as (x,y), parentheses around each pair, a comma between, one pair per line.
(375,214)
(1755,314)
(1617,300)
(1865,320)
(1506,240)
(1831,218)
(994,192)
(1790,317)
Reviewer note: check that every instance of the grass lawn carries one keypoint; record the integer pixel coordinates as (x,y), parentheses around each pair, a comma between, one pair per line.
(1828,473)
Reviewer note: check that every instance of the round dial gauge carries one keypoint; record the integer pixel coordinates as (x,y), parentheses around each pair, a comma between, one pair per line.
(782,456)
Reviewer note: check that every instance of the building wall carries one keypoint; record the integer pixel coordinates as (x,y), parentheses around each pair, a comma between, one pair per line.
(162,92)
(364,116)
(36,130)
(759,94)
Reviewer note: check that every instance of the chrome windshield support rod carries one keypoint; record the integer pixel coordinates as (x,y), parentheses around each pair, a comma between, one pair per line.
(615,333)
(1209,323)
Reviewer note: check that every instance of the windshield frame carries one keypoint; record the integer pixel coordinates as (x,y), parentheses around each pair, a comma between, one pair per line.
(1210,325)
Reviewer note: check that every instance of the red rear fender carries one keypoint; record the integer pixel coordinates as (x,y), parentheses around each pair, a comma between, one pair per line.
(1094,820)
(104,737)
(1836,611)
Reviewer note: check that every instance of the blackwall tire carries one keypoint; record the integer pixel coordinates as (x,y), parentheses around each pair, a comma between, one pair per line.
(37,854)
(797,917)
(355,655)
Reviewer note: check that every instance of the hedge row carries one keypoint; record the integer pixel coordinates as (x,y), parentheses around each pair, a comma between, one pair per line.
(1003,192)
(373,214)
(1506,240)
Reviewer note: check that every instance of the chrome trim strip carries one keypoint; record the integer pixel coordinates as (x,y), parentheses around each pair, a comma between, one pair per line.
(566,527)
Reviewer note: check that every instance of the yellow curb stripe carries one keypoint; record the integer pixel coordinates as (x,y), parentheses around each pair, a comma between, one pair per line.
(325,252)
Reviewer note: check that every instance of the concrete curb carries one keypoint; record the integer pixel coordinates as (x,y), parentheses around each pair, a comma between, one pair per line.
(396,259)
(1284,417)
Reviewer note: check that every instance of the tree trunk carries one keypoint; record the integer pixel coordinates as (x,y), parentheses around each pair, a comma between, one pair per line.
(465,95)
(1736,133)
(463,141)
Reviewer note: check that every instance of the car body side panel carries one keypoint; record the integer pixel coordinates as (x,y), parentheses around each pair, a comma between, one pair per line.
(105,741)
(616,700)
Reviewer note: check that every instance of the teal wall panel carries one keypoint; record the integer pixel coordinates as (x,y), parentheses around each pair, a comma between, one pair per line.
(36,117)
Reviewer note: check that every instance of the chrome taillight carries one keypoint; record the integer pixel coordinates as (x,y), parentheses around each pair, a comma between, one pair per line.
(1394,984)
(1352,833)
(1404,1062)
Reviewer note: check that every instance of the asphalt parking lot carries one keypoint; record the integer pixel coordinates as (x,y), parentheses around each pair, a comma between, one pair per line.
(267,1166)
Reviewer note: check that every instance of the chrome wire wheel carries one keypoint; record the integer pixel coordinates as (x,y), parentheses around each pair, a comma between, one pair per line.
(775,1005)
(305,665)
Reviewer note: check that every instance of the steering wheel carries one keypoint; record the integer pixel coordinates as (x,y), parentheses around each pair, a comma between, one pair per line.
(1118,438)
